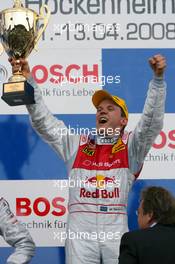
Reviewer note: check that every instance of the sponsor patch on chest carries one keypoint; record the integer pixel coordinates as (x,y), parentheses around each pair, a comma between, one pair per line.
(88,151)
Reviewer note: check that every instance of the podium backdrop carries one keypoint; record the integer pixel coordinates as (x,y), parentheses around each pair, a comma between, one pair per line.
(87,45)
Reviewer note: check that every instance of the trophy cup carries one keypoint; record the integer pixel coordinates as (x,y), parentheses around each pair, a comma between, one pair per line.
(20,30)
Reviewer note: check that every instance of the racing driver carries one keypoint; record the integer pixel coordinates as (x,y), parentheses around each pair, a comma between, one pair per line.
(106,164)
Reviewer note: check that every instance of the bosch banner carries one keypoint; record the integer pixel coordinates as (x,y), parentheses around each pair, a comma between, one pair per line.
(88,45)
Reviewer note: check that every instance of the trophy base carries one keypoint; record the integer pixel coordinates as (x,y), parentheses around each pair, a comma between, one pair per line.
(17,78)
(18,93)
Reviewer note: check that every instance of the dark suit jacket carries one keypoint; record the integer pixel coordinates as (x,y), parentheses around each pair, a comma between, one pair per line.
(155,245)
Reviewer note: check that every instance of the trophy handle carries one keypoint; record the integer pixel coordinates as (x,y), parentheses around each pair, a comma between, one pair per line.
(45,17)
(1,49)
(1,46)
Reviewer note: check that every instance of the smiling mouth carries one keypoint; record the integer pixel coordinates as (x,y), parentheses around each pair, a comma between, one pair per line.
(103,120)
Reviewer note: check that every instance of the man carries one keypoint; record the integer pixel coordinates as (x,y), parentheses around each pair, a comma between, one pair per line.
(155,242)
(106,165)
(16,235)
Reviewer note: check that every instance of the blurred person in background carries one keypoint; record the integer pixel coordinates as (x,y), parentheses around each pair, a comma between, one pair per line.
(16,235)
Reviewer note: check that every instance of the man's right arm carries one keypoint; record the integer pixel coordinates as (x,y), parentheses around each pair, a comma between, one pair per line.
(52,130)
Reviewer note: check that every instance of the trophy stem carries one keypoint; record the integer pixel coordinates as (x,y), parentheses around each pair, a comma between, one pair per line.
(17,77)
(17,3)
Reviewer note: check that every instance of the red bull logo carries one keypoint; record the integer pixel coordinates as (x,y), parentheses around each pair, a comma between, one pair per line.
(92,180)
(101,181)
(99,193)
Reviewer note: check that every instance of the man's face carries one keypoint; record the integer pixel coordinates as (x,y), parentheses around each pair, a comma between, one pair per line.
(144,220)
(108,117)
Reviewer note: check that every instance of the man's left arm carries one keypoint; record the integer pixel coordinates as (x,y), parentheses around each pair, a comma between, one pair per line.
(151,122)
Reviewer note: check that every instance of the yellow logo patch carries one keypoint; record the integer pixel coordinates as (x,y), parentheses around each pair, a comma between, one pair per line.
(89,152)
(118,146)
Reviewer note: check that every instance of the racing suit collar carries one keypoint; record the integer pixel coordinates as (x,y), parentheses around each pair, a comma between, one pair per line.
(101,140)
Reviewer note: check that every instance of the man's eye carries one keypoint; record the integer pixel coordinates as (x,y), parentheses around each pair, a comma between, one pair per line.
(110,108)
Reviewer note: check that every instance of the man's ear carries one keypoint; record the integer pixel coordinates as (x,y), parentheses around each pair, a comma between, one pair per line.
(124,121)
(150,217)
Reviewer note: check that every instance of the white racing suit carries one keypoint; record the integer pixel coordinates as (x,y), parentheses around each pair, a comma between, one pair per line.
(103,172)
(16,235)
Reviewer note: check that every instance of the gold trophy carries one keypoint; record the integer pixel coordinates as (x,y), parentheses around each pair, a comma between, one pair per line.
(20,30)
